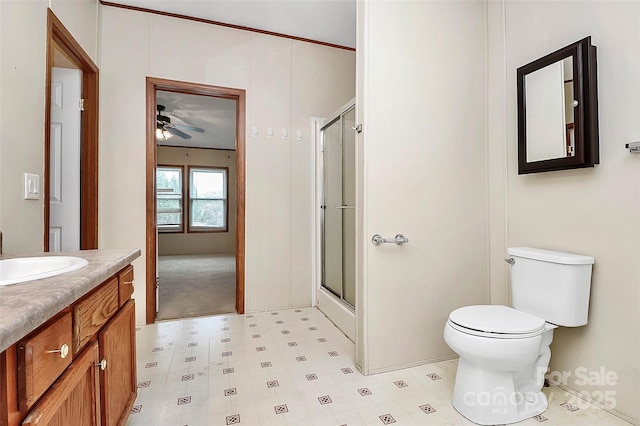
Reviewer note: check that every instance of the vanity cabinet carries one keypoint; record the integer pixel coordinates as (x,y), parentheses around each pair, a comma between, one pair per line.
(79,368)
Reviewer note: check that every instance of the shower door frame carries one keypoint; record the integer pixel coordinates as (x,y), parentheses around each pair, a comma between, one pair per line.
(334,307)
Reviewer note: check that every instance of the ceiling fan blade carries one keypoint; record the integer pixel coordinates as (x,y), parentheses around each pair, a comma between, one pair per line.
(177,132)
(191,128)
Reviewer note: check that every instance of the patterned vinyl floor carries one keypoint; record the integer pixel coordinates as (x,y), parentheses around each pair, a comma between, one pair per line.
(294,367)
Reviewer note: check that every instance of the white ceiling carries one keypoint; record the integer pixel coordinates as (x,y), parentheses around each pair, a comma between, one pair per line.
(327,21)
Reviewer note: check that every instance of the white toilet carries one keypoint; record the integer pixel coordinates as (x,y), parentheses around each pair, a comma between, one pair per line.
(504,352)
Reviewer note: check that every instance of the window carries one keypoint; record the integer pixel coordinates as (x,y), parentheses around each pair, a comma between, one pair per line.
(208,188)
(169,199)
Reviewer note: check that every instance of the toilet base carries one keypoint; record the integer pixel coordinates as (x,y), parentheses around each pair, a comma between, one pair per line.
(489,397)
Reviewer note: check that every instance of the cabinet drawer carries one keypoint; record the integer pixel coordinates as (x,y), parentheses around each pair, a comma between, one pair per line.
(75,398)
(125,284)
(42,357)
(93,312)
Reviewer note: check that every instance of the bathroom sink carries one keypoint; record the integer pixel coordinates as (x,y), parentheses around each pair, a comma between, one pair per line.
(22,269)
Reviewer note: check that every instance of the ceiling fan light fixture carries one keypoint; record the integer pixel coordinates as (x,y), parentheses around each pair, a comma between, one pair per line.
(165,129)
(162,134)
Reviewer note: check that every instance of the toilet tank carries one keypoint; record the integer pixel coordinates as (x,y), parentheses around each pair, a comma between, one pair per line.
(551,285)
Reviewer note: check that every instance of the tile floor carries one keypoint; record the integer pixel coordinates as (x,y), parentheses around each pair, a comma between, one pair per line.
(294,367)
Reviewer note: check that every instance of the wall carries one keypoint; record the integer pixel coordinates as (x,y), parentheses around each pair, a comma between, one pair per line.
(422,172)
(23,26)
(200,242)
(287,83)
(591,211)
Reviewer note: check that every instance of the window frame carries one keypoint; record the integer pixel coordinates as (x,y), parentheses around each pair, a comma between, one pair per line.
(167,230)
(200,229)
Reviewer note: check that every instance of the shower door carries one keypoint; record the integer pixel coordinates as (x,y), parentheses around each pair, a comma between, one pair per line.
(338,207)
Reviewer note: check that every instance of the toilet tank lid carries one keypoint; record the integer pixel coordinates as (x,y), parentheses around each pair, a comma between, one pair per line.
(550,256)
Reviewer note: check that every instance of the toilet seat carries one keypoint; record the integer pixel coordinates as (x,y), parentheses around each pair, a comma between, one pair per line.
(496,321)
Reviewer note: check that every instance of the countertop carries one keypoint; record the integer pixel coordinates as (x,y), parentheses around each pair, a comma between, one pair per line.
(26,306)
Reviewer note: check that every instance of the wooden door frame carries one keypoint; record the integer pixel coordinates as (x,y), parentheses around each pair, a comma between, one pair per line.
(58,34)
(239,95)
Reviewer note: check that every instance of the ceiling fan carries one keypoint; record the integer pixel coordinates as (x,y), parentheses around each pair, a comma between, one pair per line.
(166,129)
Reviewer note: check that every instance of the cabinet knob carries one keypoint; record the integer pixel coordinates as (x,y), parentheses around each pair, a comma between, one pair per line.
(63,351)
(128,282)
(102,364)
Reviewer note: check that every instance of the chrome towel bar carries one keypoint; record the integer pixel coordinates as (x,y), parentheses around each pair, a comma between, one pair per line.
(633,146)
(399,240)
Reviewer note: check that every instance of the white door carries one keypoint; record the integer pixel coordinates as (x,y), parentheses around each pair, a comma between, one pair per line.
(64,171)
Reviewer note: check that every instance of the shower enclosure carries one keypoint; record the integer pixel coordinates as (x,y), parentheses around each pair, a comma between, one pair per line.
(338,217)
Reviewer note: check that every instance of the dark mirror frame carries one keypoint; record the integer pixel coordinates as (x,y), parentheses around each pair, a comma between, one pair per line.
(585,113)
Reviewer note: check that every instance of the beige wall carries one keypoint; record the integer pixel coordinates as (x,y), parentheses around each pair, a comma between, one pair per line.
(287,83)
(422,173)
(200,242)
(23,27)
(457,245)
(591,211)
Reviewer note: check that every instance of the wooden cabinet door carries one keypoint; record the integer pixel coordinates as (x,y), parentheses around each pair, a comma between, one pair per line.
(118,380)
(74,399)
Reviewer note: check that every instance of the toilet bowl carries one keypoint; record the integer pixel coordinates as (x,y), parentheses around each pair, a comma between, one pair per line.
(504,352)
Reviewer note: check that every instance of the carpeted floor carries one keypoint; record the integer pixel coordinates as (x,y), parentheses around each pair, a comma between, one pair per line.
(196,285)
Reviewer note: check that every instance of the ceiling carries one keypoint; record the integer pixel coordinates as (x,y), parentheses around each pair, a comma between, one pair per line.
(328,21)
(216,116)
(325,21)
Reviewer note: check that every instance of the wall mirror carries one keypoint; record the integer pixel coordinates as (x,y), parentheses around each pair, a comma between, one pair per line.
(558,110)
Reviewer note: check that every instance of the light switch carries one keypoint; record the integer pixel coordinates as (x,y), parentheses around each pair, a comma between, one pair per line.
(299,135)
(285,133)
(254,132)
(269,132)
(31,186)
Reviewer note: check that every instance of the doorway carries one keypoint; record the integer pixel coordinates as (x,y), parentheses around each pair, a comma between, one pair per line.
(190,173)
(196,203)
(336,295)
(71,143)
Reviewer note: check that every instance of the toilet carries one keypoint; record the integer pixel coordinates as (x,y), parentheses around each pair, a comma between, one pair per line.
(504,351)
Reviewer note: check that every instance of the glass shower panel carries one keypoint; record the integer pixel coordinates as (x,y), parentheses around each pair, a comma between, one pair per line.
(332,232)
(339,215)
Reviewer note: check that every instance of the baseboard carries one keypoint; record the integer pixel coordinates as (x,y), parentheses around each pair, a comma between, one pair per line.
(598,404)
(412,364)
